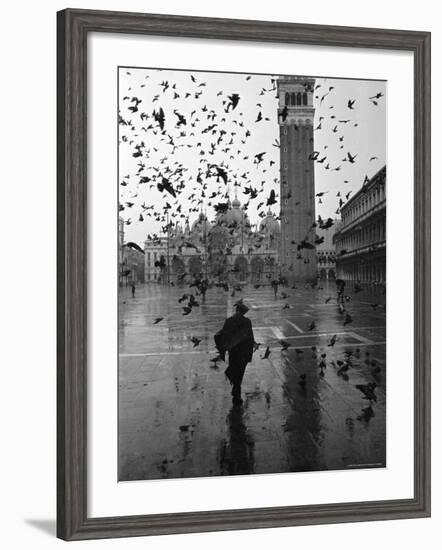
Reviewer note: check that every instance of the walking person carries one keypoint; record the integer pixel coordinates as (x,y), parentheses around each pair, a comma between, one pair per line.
(237,338)
(340,288)
(275,284)
(132,286)
(202,287)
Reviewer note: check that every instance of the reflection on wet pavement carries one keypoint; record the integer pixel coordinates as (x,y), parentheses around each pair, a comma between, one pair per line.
(236,452)
(301,411)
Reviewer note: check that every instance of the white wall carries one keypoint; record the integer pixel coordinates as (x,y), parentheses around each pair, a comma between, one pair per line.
(27,401)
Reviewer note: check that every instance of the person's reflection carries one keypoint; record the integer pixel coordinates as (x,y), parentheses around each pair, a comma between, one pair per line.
(237,453)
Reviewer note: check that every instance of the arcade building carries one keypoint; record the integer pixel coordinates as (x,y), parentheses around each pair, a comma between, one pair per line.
(360,241)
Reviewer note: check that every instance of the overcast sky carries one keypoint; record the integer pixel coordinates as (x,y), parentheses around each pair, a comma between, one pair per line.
(185,150)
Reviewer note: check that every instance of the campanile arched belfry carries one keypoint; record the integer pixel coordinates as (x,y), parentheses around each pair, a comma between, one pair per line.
(297,177)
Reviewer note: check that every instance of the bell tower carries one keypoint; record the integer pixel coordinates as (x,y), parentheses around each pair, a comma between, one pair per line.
(297,177)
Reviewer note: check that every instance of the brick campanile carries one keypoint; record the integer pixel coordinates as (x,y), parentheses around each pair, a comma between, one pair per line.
(297,179)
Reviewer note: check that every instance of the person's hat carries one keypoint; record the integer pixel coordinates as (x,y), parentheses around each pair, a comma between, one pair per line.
(241,307)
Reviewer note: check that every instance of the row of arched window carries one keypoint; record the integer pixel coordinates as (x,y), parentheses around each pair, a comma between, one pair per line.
(326,258)
(370,234)
(296,98)
(364,204)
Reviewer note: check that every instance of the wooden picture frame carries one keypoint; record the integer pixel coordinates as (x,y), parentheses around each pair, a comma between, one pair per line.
(73,28)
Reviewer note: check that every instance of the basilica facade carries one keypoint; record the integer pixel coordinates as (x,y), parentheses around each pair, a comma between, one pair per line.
(225,249)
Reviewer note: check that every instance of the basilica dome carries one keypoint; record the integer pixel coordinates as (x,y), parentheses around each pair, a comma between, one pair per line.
(270,224)
(201,224)
(235,215)
(236,203)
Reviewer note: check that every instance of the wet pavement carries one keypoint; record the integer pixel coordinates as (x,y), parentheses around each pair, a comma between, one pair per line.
(176,418)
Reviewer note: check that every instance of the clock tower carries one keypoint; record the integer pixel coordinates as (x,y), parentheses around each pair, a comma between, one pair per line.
(297,179)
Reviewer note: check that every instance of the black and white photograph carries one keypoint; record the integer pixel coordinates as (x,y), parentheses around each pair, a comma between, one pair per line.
(218,328)
(252,273)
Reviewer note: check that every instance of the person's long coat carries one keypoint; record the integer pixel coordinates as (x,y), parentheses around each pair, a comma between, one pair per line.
(237,338)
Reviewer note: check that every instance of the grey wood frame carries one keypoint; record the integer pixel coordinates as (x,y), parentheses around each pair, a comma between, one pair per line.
(73,27)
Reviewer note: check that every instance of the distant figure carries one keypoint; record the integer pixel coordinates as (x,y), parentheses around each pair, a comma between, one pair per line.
(132,286)
(203,286)
(357,287)
(340,288)
(237,338)
(275,284)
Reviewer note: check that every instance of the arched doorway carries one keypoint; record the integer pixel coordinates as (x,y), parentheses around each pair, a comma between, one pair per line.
(257,269)
(331,274)
(323,273)
(178,268)
(218,266)
(271,268)
(162,271)
(241,269)
(195,266)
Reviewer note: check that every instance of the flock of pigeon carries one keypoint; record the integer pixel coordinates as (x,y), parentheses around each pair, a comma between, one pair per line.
(189,143)
(185,139)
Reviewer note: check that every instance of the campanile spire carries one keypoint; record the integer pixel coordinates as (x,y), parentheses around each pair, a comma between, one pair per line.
(297,178)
